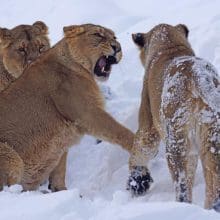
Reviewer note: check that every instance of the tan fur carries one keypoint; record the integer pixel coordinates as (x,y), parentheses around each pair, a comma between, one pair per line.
(12,166)
(174,108)
(19,47)
(58,101)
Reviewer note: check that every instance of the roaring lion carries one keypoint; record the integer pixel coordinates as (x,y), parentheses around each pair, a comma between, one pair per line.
(19,47)
(54,103)
(180,104)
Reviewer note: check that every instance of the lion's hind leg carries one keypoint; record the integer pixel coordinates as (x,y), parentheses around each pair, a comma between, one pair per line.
(210,157)
(57,176)
(181,164)
(11,166)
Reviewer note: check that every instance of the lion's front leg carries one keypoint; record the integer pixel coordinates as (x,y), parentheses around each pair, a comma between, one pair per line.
(101,125)
(93,119)
(144,149)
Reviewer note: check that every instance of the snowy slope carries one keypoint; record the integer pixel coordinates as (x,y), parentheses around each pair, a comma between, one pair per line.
(97,174)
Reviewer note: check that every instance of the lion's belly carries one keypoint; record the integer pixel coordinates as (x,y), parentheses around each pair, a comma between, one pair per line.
(41,160)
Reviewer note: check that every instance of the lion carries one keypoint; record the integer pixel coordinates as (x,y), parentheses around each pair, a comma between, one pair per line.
(180,104)
(19,47)
(58,101)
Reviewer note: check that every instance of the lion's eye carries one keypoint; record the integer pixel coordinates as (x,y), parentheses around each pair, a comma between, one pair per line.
(115,38)
(41,48)
(98,35)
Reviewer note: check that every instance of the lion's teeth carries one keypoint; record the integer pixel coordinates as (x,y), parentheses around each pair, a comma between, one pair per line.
(103,69)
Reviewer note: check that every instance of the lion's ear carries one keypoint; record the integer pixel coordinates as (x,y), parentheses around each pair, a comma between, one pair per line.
(73,30)
(40,27)
(138,39)
(5,37)
(183,29)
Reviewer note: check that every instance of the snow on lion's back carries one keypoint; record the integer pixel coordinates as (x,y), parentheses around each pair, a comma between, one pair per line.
(97,174)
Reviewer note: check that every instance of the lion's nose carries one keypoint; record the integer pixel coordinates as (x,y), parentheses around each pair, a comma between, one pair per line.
(116,48)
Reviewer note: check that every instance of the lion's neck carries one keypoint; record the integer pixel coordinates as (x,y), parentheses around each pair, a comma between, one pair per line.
(166,53)
(64,56)
(60,50)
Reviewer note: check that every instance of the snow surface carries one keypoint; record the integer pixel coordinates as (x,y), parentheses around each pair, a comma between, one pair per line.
(97,174)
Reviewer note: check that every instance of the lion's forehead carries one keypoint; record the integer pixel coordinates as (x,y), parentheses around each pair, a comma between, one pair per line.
(24,32)
(100,29)
(28,36)
(163,28)
(105,31)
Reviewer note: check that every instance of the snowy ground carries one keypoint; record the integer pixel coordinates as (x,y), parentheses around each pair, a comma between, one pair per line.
(97,174)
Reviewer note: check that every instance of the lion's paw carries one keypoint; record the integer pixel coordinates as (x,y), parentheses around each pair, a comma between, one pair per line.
(56,188)
(216,205)
(139,181)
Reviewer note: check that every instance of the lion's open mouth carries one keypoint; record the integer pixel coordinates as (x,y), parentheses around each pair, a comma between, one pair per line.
(103,66)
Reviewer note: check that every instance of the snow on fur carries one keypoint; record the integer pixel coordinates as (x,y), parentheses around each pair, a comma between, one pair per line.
(97,173)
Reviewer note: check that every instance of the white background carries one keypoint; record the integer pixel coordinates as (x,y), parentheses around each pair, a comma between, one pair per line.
(99,172)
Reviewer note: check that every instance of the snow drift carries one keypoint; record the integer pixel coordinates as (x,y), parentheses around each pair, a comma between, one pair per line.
(97,173)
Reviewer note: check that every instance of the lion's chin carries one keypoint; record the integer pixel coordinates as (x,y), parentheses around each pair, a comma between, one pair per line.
(101,78)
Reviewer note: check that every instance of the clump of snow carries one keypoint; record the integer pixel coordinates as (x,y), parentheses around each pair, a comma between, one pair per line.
(173,87)
(207,82)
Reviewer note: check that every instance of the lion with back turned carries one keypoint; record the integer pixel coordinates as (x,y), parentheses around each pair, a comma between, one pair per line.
(58,101)
(19,47)
(180,104)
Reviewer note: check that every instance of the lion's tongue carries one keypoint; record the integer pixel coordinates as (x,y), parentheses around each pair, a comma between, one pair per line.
(102,63)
